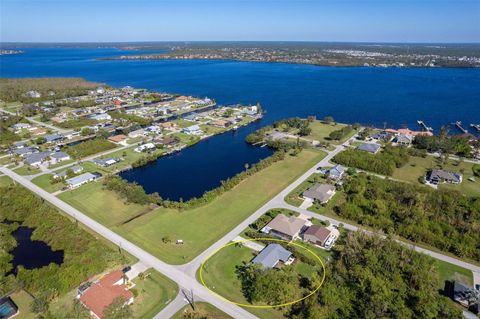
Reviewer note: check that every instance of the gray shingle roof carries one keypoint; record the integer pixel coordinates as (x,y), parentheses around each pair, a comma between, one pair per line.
(369,147)
(36,157)
(320,192)
(271,255)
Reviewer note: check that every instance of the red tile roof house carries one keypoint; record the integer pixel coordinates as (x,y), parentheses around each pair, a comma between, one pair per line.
(103,292)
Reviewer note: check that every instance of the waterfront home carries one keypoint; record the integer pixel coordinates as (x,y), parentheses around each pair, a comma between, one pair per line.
(120,139)
(137,133)
(321,236)
(79,180)
(272,255)
(105,162)
(71,134)
(408,131)
(383,136)
(336,172)
(153,129)
(77,169)
(192,130)
(372,148)
(221,123)
(403,139)
(97,296)
(53,138)
(320,193)
(166,141)
(437,176)
(145,148)
(283,227)
(100,117)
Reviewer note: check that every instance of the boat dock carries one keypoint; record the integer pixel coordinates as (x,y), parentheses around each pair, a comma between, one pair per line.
(458,125)
(476,126)
(424,126)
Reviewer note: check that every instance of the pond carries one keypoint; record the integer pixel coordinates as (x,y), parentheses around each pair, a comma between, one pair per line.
(32,254)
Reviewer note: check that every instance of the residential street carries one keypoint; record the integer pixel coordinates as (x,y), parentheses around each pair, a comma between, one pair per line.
(184,275)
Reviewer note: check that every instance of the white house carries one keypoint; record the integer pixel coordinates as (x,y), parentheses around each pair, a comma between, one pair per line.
(100,117)
(192,130)
(145,147)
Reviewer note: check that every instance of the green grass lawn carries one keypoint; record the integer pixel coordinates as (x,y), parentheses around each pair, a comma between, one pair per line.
(153,293)
(219,275)
(202,310)
(320,132)
(27,170)
(5,181)
(44,181)
(202,226)
(102,205)
(451,272)
(128,157)
(418,167)
(23,300)
(61,164)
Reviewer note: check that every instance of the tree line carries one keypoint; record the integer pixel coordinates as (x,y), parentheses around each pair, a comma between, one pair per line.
(444,219)
(383,163)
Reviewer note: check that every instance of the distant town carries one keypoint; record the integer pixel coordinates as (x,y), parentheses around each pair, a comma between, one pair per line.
(324,54)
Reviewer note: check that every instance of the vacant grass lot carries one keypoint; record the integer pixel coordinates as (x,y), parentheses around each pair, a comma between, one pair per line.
(45,181)
(203,310)
(102,205)
(152,294)
(219,275)
(320,132)
(201,227)
(26,170)
(5,181)
(418,167)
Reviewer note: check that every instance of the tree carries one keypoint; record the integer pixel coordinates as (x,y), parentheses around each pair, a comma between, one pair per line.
(40,304)
(328,119)
(86,131)
(40,140)
(118,310)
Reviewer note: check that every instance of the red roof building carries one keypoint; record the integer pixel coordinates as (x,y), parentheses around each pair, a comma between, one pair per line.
(103,292)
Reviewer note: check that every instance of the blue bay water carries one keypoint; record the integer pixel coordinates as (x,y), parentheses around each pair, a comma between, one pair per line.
(370,96)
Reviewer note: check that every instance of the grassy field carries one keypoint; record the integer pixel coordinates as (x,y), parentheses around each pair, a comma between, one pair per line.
(153,293)
(23,300)
(219,275)
(27,170)
(44,181)
(201,227)
(128,157)
(418,167)
(320,132)
(102,205)
(5,181)
(203,310)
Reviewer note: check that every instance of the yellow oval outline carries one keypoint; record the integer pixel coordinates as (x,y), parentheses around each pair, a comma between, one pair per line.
(260,306)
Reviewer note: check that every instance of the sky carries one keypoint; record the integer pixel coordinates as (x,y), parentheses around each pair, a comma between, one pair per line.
(240,20)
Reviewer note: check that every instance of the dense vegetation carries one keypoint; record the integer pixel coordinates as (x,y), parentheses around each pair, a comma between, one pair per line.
(371,277)
(131,118)
(7,136)
(383,163)
(440,218)
(84,256)
(446,144)
(300,126)
(89,147)
(341,133)
(13,90)
(77,123)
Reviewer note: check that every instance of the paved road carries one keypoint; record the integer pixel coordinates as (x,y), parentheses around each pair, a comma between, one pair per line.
(184,275)
(172,272)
